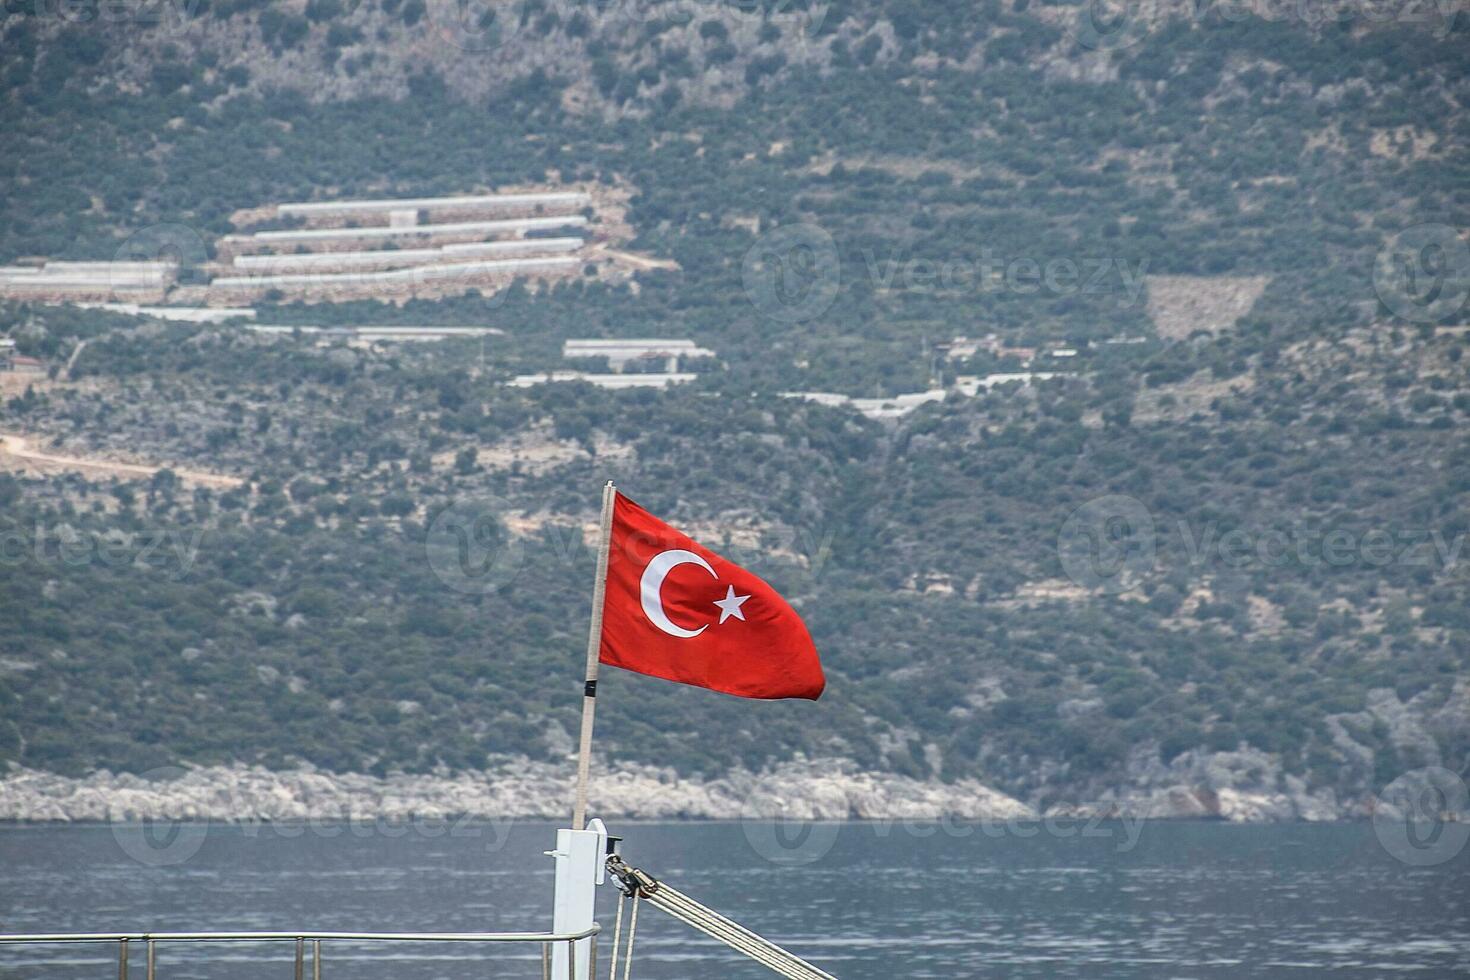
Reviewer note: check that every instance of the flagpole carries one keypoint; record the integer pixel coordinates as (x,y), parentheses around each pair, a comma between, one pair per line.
(594,647)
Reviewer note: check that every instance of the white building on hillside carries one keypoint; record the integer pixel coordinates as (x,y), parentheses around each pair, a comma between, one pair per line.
(620,353)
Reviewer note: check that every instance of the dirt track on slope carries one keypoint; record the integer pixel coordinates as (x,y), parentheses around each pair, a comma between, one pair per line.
(16,452)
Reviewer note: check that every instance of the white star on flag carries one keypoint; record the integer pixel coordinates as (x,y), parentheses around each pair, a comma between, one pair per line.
(730,605)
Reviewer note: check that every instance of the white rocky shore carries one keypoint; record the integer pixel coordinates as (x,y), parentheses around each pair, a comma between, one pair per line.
(1242,787)
(821,790)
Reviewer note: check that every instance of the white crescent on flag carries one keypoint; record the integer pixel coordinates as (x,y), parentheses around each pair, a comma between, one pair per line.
(650,589)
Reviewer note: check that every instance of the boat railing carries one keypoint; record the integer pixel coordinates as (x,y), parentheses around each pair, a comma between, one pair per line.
(125,942)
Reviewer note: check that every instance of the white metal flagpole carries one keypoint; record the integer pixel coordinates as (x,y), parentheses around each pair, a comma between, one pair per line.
(594,647)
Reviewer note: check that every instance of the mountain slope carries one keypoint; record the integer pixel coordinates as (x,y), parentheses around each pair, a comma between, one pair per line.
(1234,534)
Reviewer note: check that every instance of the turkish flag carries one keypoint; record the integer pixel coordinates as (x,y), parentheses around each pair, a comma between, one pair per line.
(676,610)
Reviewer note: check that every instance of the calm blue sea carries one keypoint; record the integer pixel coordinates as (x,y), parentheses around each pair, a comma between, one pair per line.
(865,901)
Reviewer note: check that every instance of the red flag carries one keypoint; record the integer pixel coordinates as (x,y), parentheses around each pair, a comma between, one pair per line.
(679,611)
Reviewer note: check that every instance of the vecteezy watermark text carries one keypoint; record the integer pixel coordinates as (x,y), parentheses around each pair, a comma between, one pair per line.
(793,273)
(1021,275)
(170,550)
(791,842)
(1335,548)
(1111,543)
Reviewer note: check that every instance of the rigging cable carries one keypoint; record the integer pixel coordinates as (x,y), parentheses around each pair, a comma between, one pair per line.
(639,884)
(617,936)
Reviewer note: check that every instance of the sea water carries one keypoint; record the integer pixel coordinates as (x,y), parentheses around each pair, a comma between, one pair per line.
(865,901)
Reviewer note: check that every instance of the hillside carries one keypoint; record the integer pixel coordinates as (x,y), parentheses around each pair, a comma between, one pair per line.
(1220,548)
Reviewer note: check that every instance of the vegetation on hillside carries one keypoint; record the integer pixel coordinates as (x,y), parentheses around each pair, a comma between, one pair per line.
(310,616)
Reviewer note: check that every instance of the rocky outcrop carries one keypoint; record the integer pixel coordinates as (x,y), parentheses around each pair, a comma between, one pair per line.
(1244,786)
(816,790)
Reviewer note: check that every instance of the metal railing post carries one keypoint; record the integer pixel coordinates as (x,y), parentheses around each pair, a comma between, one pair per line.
(300,956)
(545,961)
(572,959)
(316,959)
(150,959)
(122,960)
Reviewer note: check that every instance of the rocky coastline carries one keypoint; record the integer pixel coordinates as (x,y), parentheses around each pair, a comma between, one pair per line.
(514,788)
(1196,787)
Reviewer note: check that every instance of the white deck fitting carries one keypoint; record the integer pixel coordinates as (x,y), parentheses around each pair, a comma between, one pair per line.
(407,256)
(602,380)
(412,231)
(579,858)
(570,198)
(415,274)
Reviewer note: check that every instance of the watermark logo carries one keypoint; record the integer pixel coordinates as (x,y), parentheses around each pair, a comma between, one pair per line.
(470,549)
(1105,25)
(1423,817)
(806,21)
(152,259)
(786,841)
(792,274)
(1422,274)
(1108,544)
(159,843)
